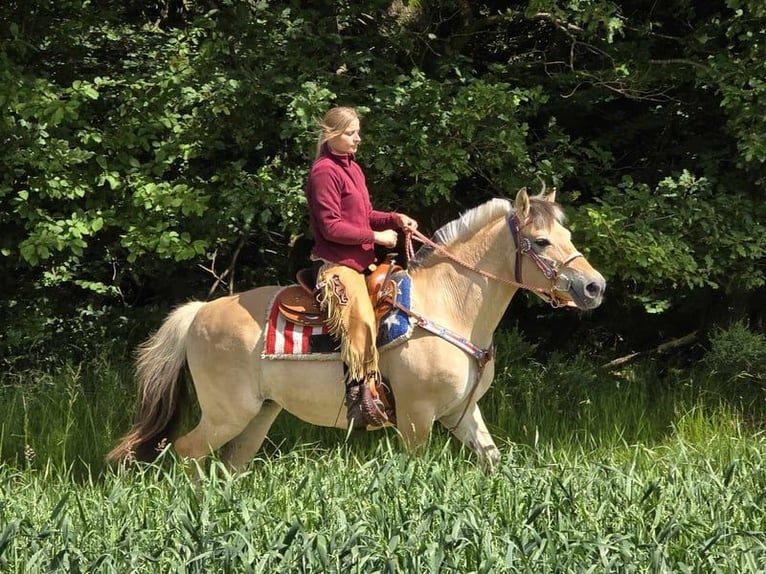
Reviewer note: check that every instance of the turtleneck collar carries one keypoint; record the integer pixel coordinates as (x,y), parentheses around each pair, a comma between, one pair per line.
(343,159)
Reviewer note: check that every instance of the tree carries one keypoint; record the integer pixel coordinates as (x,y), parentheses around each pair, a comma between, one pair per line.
(157,151)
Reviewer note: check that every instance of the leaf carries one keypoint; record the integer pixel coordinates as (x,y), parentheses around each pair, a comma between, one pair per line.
(29,253)
(57,115)
(90,92)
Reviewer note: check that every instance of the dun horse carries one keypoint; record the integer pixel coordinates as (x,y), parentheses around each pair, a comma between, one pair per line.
(461,283)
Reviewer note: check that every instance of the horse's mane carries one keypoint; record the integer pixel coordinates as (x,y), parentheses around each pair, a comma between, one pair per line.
(542,213)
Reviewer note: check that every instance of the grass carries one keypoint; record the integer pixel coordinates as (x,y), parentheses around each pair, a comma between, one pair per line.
(66,419)
(638,471)
(633,508)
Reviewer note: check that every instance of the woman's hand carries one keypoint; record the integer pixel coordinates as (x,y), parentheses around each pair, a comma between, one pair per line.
(387,238)
(406,222)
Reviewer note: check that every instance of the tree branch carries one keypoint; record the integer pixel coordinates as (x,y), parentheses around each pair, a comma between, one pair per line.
(228,272)
(681,61)
(659,349)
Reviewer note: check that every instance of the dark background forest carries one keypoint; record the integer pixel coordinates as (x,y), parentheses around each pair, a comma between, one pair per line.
(156,151)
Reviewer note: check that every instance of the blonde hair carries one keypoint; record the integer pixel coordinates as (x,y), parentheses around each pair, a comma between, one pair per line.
(333,124)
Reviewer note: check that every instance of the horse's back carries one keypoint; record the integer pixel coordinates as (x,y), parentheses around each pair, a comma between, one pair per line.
(234,321)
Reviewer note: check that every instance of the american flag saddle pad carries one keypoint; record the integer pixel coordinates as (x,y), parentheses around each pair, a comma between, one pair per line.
(288,340)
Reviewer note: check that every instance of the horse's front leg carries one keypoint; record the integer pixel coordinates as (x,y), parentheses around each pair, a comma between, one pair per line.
(467,424)
(414,422)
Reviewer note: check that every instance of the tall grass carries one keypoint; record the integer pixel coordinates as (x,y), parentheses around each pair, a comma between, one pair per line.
(66,419)
(673,508)
(72,417)
(645,470)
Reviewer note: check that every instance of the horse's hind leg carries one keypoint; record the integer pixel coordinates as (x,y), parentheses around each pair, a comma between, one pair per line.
(241,449)
(206,437)
(468,426)
(220,423)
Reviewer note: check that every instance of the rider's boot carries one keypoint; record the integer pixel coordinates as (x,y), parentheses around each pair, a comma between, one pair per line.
(364,407)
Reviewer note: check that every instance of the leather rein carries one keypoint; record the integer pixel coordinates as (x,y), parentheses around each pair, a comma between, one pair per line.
(549,268)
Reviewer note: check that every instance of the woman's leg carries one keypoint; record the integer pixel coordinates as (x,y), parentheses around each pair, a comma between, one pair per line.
(343,294)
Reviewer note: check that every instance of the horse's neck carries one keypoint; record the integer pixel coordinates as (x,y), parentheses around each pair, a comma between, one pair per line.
(460,298)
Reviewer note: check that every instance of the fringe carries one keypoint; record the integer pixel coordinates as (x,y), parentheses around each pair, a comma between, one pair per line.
(333,301)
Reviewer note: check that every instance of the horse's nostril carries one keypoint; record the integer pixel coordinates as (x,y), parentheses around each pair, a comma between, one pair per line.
(594,289)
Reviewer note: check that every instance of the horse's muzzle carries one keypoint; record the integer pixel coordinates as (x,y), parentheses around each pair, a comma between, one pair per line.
(586,289)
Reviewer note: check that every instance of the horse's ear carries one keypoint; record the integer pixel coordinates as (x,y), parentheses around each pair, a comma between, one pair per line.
(551,196)
(522,204)
(544,193)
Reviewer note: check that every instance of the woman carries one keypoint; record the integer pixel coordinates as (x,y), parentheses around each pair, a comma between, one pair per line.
(346,229)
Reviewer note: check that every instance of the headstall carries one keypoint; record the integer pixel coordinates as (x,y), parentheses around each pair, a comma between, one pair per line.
(549,268)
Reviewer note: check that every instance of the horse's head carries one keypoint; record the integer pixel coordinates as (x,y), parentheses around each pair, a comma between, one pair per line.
(546,259)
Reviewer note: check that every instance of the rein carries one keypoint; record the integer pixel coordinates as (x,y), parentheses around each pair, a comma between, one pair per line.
(549,268)
(523,247)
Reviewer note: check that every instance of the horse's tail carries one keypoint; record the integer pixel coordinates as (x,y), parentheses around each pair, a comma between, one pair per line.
(159,363)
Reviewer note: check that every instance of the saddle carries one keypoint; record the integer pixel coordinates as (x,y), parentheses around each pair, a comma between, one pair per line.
(298,303)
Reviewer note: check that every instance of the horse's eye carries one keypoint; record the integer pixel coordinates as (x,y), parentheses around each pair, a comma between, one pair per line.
(542,242)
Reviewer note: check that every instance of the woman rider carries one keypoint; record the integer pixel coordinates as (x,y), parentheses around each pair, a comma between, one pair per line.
(346,229)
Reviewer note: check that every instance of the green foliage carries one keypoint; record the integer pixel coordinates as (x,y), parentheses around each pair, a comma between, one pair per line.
(466,129)
(685,234)
(152,149)
(738,70)
(736,359)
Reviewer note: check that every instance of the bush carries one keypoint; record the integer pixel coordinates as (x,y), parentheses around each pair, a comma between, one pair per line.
(737,361)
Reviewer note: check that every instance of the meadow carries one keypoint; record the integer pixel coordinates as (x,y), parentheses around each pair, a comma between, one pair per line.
(642,469)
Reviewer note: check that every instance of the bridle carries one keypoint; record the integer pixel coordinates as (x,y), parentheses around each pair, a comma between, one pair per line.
(550,269)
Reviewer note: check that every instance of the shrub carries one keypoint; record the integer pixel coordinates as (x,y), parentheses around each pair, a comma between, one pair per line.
(737,361)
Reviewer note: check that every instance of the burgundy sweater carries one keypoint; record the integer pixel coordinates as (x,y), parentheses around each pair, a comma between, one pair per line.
(341,215)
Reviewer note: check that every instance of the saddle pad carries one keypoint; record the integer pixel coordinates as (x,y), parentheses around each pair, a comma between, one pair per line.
(288,340)
(395,324)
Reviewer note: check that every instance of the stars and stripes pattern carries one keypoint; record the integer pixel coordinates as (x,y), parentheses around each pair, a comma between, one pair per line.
(396,324)
(285,338)
(288,340)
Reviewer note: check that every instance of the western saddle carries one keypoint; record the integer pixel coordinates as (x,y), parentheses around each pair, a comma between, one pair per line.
(298,303)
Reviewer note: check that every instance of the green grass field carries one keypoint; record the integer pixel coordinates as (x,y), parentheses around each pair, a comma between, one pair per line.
(637,471)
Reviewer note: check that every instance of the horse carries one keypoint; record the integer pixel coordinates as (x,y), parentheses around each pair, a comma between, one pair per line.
(462,281)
